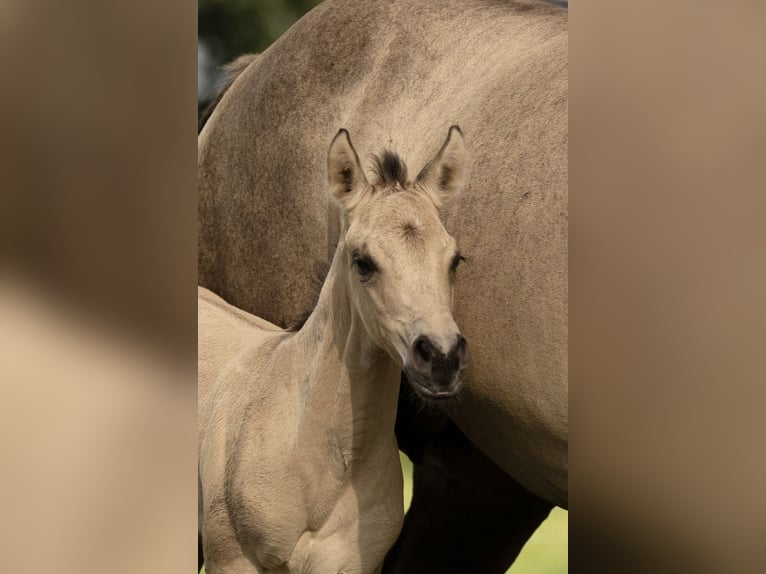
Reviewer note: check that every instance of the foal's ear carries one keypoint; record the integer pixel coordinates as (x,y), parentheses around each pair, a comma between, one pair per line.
(344,172)
(443,176)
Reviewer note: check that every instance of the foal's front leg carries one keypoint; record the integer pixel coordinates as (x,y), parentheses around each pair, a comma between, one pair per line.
(223,554)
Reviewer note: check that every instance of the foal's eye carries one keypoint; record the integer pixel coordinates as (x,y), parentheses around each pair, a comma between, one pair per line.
(364,266)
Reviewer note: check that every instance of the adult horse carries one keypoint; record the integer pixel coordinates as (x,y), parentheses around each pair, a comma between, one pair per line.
(488,467)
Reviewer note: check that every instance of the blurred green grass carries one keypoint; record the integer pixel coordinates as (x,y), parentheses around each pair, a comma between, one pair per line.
(546,552)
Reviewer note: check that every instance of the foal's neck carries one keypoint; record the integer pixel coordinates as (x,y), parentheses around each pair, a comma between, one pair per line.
(347,373)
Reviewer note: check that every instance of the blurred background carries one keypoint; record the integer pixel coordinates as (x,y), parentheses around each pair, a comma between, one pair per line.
(229,29)
(98,298)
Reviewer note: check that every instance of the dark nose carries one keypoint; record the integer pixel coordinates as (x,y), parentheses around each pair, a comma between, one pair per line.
(428,360)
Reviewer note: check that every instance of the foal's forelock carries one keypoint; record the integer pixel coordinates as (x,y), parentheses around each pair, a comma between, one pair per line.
(390,171)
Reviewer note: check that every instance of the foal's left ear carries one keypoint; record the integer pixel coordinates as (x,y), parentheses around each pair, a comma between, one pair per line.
(443,176)
(344,172)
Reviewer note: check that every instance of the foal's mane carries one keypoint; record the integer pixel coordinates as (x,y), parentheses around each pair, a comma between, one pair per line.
(321,268)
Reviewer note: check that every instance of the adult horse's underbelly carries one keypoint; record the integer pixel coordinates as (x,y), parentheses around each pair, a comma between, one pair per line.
(398,75)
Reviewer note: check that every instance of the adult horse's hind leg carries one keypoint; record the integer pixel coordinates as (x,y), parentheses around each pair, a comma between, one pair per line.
(467,515)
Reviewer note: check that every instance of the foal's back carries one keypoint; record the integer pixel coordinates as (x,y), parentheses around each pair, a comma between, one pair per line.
(222,331)
(225,335)
(231,347)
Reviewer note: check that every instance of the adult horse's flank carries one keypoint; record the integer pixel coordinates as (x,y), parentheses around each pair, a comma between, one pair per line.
(491,465)
(298,463)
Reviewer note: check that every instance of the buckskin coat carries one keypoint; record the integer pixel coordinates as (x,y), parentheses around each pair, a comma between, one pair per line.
(488,467)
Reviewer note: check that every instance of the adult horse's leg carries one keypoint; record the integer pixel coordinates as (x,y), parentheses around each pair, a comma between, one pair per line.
(200,553)
(467,515)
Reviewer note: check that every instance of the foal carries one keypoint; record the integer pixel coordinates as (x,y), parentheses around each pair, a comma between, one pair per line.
(298,464)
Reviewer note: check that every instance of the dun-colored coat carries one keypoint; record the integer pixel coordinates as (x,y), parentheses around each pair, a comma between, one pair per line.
(398,72)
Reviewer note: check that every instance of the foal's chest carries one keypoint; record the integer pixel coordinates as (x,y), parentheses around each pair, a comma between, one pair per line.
(349,530)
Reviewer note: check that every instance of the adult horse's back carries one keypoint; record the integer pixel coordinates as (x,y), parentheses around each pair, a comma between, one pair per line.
(407,70)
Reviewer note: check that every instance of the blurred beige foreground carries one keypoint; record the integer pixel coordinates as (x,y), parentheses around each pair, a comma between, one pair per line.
(98,443)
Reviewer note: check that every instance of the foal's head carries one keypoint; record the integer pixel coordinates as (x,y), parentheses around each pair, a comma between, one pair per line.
(400,261)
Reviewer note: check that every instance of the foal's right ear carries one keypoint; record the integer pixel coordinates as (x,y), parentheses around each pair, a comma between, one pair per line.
(344,172)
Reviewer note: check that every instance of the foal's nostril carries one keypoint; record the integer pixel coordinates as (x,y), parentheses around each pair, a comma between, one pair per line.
(423,351)
(422,354)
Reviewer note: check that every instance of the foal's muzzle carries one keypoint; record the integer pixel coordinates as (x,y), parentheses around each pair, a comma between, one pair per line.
(433,372)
